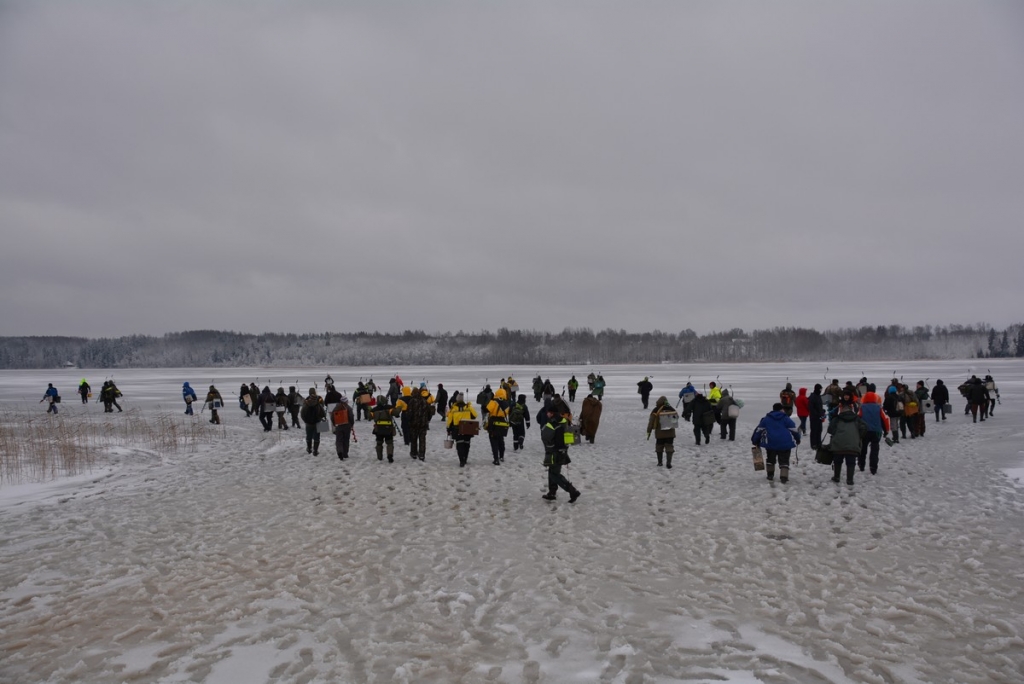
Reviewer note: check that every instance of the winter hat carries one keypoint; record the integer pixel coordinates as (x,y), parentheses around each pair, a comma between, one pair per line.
(891,390)
(312,391)
(662,400)
(817,387)
(344,399)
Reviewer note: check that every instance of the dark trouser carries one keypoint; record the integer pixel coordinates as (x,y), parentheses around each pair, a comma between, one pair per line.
(984,409)
(556,480)
(518,435)
(665,446)
(406,430)
(940,412)
(644,398)
(815,433)
(974,412)
(363,410)
(803,425)
(991,406)
(921,423)
(912,425)
(687,410)
(497,445)
(214,418)
(870,446)
(52,408)
(441,411)
(572,395)
(903,427)
(188,408)
(699,430)
(114,402)
(342,434)
(781,456)
(390,441)
(267,420)
(282,422)
(294,410)
(417,442)
(728,426)
(242,405)
(837,466)
(462,447)
(85,398)
(312,437)
(106,406)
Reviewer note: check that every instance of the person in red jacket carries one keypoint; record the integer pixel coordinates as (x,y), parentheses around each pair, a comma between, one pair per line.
(803,409)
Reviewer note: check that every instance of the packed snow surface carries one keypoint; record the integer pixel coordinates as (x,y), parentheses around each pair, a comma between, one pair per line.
(251,561)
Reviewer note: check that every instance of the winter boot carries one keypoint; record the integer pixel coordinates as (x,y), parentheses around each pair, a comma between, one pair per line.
(668,458)
(550,496)
(573,494)
(770,470)
(783,475)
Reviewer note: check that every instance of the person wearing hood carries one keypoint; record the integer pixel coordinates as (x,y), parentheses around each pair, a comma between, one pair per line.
(266,405)
(254,397)
(892,405)
(294,404)
(993,394)
(361,396)
(686,395)
(787,397)
(978,398)
(519,421)
(728,424)
(483,398)
(547,391)
(313,414)
(644,388)
(416,413)
(342,419)
(85,390)
(573,385)
(664,430)
(922,395)
(877,425)
(331,396)
(394,391)
(460,411)
(777,434)
(384,427)
(816,415)
(189,396)
(703,414)
(848,431)
(803,410)
(214,400)
(52,398)
(940,397)
(538,388)
(281,408)
(590,417)
(496,423)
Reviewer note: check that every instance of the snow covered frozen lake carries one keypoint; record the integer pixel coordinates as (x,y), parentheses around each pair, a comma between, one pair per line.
(250,561)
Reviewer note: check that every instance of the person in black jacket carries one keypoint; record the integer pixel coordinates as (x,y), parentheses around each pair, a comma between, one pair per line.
(703,416)
(441,400)
(816,407)
(556,455)
(644,388)
(266,405)
(978,398)
(940,395)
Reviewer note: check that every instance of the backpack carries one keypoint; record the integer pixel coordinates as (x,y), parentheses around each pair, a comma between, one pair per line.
(787,399)
(383,423)
(419,414)
(517,414)
(340,415)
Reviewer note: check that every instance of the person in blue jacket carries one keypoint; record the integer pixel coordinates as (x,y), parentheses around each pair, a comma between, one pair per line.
(51,396)
(777,434)
(686,395)
(189,395)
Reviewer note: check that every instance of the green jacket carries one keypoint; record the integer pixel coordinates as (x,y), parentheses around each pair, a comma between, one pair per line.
(848,431)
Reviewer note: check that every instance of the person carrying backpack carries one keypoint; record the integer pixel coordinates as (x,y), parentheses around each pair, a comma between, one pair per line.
(787,398)
(686,396)
(312,414)
(342,419)
(265,405)
(556,455)
(664,430)
(460,411)
(85,390)
(848,431)
(383,417)
(214,400)
(519,421)
(294,404)
(496,422)
(441,401)
(940,397)
(281,407)
(703,414)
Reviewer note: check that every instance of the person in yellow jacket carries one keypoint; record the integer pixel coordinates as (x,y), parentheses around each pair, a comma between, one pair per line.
(715,394)
(459,412)
(497,423)
(403,413)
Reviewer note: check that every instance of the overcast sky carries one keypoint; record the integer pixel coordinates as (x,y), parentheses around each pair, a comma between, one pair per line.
(310,167)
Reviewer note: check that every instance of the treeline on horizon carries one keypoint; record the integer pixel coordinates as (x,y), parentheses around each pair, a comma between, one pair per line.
(572,346)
